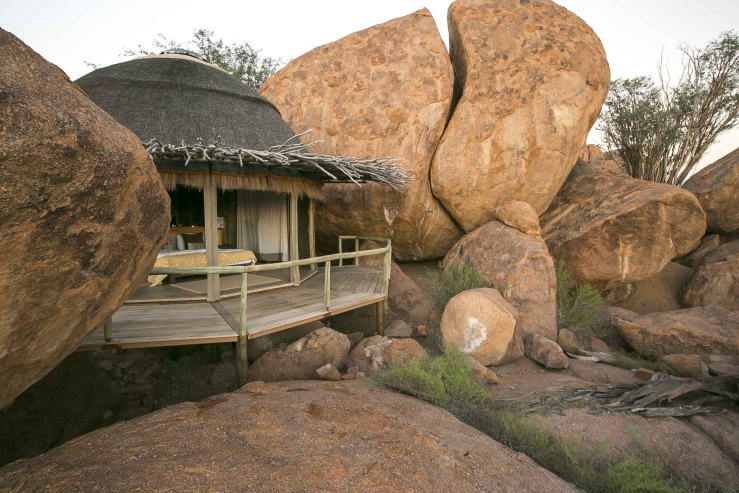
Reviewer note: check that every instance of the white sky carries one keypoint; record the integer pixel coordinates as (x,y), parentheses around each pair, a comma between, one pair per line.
(67,33)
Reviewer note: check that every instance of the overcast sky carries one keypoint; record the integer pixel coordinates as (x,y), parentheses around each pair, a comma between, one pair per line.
(68,33)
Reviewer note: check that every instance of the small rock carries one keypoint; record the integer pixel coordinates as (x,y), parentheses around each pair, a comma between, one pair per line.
(353,369)
(399,329)
(108,414)
(519,215)
(571,342)
(482,373)
(421,331)
(403,351)
(599,344)
(354,339)
(643,374)
(545,351)
(106,365)
(225,377)
(328,372)
(368,356)
(685,365)
(723,370)
(348,376)
(359,375)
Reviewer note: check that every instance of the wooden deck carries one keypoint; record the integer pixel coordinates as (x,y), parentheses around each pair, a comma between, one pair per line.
(174,324)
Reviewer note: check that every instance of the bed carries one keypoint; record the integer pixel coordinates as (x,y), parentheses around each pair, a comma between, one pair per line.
(196,258)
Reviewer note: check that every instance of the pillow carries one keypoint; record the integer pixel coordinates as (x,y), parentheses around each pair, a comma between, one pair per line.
(180,243)
(193,238)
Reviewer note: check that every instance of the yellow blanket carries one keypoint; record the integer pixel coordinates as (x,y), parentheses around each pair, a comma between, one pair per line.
(196,258)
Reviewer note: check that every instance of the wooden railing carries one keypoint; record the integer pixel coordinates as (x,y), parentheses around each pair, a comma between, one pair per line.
(244,270)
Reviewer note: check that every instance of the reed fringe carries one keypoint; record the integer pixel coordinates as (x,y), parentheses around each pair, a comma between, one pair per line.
(263,183)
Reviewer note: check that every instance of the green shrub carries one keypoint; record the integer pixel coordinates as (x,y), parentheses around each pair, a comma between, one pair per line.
(448,382)
(577,306)
(450,280)
(631,361)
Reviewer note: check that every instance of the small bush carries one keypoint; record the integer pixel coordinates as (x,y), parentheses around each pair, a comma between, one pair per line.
(631,361)
(448,382)
(577,306)
(450,280)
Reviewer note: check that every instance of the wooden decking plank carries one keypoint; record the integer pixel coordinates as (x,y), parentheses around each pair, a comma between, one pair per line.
(227,316)
(366,278)
(375,281)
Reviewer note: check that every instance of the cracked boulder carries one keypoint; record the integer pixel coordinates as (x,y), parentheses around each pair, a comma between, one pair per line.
(385,91)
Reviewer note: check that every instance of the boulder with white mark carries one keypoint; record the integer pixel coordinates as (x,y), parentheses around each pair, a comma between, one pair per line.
(482,324)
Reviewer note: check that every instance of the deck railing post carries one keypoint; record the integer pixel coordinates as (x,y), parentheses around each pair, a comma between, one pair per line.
(242,361)
(356,249)
(312,232)
(327,287)
(108,329)
(387,265)
(341,260)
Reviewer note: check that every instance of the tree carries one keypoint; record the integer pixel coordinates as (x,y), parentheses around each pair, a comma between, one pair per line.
(661,131)
(241,60)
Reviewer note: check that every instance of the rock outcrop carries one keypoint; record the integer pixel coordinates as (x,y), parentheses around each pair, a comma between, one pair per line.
(717,189)
(83,216)
(519,215)
(302,436)
(369,355)
(715,281)
(545,351)
(531,78)
(592,161)
(482,324)
(403,351)
(612,231)
(703,331)
(519,267)
(383,91)
(302,359)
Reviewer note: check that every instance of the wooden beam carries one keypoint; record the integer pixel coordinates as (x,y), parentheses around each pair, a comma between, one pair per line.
(312,232)
(327,287)
(210,195)
(386,268)
(380,311)
(293,239)
(108,329)
(242,361)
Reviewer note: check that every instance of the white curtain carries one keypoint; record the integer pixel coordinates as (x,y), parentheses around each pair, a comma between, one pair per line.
(261,224)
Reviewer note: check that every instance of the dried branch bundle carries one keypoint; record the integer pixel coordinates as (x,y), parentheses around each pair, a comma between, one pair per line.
(384,171)
(664,395)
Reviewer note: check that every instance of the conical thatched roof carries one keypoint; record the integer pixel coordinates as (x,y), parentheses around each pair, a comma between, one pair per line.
(172,101)
(175,98)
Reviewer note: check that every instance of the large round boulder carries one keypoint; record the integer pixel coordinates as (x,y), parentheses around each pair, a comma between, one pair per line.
(715,280)
(383,91)
(532,77)
(301,359)
(612,231)
(83,216)
(717,189)
(519,267)
(287,437)
(482,324)
(705,331)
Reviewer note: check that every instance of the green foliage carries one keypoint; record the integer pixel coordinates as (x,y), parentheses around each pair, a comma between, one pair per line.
(241,60)
(450,280)
(631,361)
(577,306)
(661,130)
(448,382)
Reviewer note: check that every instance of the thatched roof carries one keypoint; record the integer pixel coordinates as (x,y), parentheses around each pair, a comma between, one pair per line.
(175,102)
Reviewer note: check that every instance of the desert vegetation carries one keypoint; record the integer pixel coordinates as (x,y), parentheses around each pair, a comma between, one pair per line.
(662,129)
(451,279)
(449,382)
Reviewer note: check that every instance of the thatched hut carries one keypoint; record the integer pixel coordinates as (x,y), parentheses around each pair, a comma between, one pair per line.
(209,132)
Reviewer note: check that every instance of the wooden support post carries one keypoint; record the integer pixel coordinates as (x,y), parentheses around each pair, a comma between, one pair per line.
(242,362)
(356,249)
(380,310)
(341,246)
(312,232)
(210,196)
(293,239)
(327,287)
(386,266)
(108,329)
